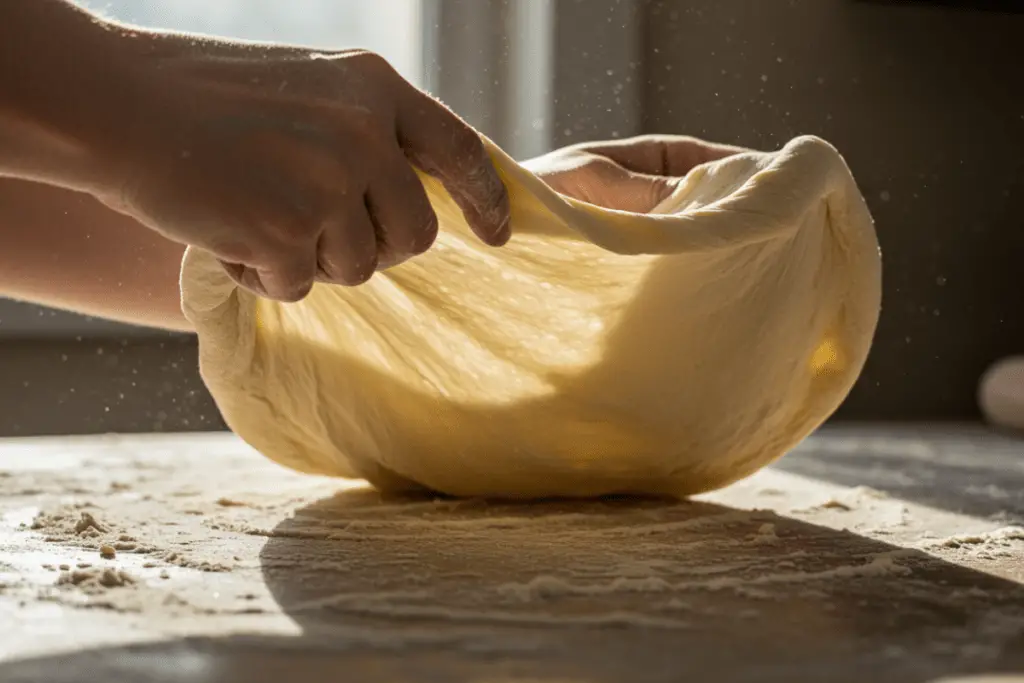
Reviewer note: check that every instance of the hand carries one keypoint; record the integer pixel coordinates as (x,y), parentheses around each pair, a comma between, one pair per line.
(634,174)
(289,165)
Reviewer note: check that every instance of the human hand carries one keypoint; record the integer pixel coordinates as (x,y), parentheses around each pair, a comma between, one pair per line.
(634,174)
(287,164)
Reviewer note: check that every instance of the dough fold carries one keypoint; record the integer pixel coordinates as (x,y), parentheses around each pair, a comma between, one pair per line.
(598,352)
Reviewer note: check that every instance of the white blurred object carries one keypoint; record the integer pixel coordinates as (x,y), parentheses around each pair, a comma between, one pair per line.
(1001,393)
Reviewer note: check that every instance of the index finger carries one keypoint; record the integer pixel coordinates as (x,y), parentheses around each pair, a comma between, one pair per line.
(440,143)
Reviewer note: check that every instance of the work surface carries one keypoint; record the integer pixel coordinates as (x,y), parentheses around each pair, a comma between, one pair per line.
(870,554)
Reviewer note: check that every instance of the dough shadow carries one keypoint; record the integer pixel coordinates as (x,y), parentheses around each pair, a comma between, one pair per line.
(632,590)
(972,470)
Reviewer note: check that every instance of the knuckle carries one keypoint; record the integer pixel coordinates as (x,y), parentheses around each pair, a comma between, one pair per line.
(372,62)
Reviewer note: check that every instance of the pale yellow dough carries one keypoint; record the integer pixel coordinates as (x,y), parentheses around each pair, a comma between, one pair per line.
(598,352)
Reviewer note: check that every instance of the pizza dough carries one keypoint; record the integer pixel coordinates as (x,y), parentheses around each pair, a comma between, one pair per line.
(598,352)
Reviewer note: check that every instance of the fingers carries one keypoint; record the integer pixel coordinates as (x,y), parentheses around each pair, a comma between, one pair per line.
(392,222)
(605,183)
(278,262)
(378,213)
(663,155)
(285,281)
(404,221)
(441,144)
(347,250)
(289,280)
(637,192)
(344,254)
(237,273)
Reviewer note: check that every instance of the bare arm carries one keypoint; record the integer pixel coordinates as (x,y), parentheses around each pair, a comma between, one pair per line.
(65,249)
(61,92)
(59,86)
(290,164)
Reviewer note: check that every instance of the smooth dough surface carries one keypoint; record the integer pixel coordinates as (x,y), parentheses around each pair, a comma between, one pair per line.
(598,352)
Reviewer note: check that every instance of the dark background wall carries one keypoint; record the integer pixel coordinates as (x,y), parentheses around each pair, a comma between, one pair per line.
(926,101)
(97,385)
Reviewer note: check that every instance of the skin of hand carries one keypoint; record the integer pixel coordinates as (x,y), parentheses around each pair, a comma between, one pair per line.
(633,174)
(65,249)
(290,165)
(293,168)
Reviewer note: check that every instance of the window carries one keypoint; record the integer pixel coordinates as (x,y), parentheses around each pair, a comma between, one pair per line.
(392,28)
(498,63)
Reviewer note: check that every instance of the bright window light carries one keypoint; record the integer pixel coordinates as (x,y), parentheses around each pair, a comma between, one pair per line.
(392,28)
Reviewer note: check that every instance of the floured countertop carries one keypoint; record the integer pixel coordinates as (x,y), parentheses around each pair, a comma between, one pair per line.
(872,554)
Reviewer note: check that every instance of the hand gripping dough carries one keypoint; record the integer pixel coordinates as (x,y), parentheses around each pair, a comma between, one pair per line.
(598,352)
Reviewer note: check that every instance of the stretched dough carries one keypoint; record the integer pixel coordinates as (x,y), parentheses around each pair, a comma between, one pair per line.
(598,352)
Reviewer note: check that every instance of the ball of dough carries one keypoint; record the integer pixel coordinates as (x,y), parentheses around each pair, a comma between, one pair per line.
(1001,393)
(598,352)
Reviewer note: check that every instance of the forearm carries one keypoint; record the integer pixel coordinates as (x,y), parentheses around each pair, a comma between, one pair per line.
(66,250)
(59,88)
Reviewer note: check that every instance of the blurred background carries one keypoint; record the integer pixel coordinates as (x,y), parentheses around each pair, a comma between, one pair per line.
(925,100)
